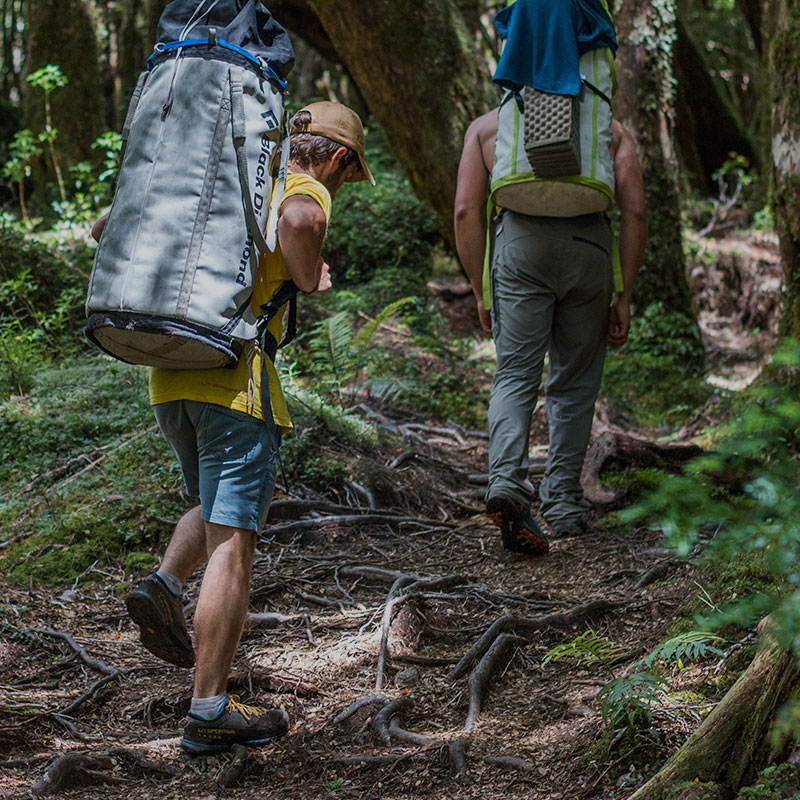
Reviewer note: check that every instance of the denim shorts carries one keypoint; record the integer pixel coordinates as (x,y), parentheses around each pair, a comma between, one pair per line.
(228,458)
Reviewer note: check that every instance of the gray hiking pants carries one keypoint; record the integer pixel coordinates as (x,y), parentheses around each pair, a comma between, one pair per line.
(551,284)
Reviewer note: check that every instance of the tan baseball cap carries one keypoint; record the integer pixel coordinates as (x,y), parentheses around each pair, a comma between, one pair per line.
(340,124)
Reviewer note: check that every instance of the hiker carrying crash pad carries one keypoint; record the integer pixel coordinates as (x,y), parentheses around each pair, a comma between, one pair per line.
(546,38)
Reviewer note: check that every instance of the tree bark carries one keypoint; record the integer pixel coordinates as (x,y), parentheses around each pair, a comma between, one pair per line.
(782,31)
(61,32)
(731,746)
(423,80)
(644,103)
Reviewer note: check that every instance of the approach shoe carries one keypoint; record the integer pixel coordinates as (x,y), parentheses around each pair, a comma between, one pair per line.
(518,528)
(235,724)
(162,626)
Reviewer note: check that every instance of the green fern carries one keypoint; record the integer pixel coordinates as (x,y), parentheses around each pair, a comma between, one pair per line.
(364,336)
(333,352)
(339,354)
(687,647)
(589,651)
(628,700)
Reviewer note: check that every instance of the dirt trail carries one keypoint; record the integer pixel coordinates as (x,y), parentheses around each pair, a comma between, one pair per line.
(323,657)
(330,580)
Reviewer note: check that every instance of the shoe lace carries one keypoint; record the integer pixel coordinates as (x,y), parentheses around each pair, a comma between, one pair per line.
(248,712)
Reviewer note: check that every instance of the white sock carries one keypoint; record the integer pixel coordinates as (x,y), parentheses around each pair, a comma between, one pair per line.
(207,707)
(171,582)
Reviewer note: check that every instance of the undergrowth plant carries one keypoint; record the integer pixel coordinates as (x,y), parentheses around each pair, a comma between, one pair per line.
(745,498)
(340,354)
(627,700)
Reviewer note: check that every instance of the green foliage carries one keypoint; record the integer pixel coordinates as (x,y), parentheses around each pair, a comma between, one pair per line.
(778,782)
(763,520)
(590,651)
(686,647)
(41,308)
(627,701)
(91,190)
(380,237)
(339,354)
(662,362)
(107,479)
(48,78)
(322,432)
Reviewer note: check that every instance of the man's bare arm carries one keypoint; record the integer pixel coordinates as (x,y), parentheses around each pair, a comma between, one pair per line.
(472,191)
(301,232)
(632,231)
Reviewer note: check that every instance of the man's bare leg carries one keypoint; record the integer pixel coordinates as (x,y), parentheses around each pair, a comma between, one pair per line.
(222,605)
(155,604)
(187,547)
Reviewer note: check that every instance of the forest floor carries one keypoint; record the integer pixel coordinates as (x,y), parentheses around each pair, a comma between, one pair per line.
(75,679)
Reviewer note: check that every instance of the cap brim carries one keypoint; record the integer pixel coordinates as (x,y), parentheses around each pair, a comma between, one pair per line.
(364,174)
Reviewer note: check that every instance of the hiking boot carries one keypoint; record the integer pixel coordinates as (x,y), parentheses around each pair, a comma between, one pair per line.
(162,627)
(235,724)
(518,528)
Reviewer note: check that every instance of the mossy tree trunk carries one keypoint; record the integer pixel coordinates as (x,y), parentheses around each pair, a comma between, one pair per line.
(646,31)
(417,66)
(732,744)
(61,32)
(781,57)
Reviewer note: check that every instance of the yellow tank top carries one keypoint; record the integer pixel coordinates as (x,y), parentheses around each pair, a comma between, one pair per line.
(229,387)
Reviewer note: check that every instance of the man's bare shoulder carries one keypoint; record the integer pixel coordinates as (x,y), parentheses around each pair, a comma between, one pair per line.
(483,127)
(480,136)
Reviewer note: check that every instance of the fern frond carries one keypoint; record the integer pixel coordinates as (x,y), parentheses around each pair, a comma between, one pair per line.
(364,336)
(386,388)
(624,697)
(332,346)
(687,647)
(589,651)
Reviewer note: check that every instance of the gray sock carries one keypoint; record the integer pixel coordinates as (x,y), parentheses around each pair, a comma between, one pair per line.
(207,707)
(171,582)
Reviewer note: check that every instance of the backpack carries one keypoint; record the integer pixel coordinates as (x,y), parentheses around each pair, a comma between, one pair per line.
(583,128)
(175,267)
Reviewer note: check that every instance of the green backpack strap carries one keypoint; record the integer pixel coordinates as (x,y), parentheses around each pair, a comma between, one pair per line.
(487,253)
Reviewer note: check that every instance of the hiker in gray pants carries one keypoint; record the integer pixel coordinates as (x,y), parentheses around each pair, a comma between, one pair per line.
(551,292)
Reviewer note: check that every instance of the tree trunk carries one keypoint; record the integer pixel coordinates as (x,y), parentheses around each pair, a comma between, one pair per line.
(61,32)
(646,31)
(751,10)
(417,67)
(699,109)
(782,31)
(731,746)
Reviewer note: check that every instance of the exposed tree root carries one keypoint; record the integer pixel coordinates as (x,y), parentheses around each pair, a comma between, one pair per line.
(458,756)
(632,453)
(231,772)
(372,699)
(479,678)
(400,735)
(522,625)
(73,769)
(82,769)
(381,720)
(511,763)
(280,684)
